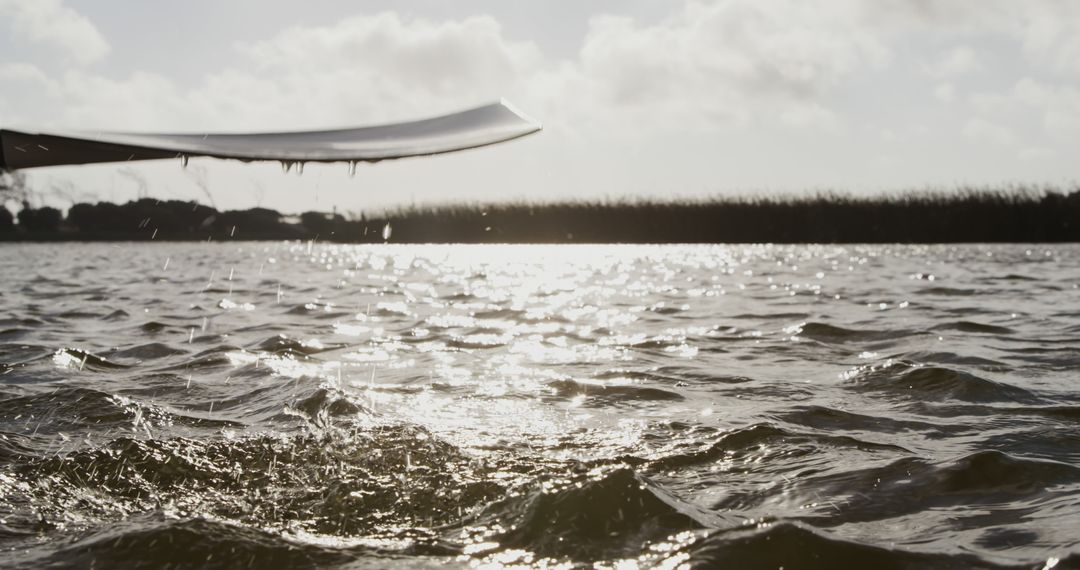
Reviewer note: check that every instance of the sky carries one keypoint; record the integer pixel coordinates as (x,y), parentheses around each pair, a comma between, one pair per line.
(638,98)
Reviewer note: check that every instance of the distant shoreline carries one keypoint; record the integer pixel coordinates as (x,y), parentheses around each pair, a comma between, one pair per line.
(1014,215)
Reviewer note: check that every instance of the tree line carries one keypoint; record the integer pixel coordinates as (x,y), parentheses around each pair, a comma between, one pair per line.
(1014,214)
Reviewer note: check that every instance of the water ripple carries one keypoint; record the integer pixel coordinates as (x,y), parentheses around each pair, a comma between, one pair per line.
(319,405)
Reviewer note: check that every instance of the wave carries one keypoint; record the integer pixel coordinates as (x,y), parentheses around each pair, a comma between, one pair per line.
(597,393)
(23,322)
(609,516)
(157,326)
(973,327)
(14,333)
(1053,442)
(912,485)
(825,418)
(65,408)
(772,316)
(795,546)
(149,351)
(947,357)
(283,345)
(758,437)
(76,409)
(333,479)
(935,383)
(15,447)
(477,342)
(85,360)
(157,542)
(317,311)
(213,358)
(117,315)
(676,374)
(950,291)
(825,332)
(80,315)
(1012,277)
(323,404)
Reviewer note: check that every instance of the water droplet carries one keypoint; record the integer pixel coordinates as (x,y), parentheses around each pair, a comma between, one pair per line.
(286,166)
(183,161)
(299,168)
(352,168)
(386,231)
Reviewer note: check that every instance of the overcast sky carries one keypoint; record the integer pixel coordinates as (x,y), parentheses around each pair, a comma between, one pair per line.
(638,98)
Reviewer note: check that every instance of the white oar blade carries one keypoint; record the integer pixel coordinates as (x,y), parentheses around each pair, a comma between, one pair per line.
(482,126)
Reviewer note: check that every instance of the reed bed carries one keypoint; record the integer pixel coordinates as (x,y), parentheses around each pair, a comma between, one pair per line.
(1005,214)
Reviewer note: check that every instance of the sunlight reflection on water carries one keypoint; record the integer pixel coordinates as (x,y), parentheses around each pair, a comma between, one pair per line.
(616,405)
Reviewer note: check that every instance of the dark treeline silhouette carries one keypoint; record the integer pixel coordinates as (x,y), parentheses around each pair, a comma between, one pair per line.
(7,221)
(973,215)
(40,219)
(148,218)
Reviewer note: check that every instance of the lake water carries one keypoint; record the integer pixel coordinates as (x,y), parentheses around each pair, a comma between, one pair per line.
(300,405)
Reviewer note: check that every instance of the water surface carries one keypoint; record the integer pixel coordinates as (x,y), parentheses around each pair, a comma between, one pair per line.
(253,404)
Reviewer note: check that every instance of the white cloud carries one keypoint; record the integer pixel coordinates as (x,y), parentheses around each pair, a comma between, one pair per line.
(22,73)
(1059,105)
(735,61)
(1037,154)
(372,66)
(1055,107)
(958,61)
(945,92)
(1048,31)
(982,130)
(26,89)
(50,23)
(141,101)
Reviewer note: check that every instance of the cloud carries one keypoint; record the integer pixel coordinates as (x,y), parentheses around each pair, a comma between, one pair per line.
(26,89)
(1056,106)
(735,61)
(1048,31)
(1059,105)
(50,23)
(957,61)
(945,92)
(982,130)
(1037,154)
(374,65)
